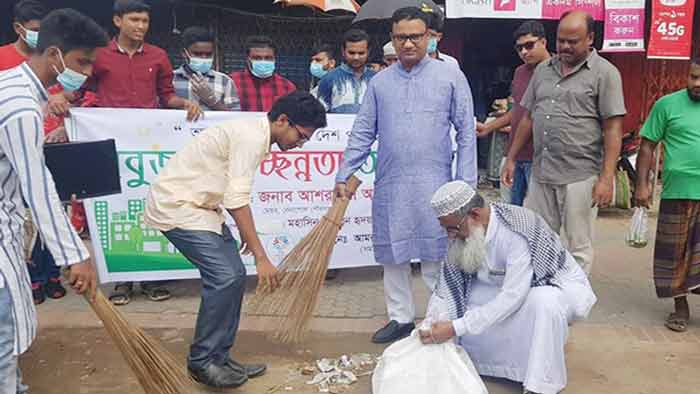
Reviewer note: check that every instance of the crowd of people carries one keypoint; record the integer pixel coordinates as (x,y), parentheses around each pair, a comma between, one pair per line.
(507,278)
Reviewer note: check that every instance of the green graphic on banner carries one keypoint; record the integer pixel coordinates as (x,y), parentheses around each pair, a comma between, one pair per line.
(129,245)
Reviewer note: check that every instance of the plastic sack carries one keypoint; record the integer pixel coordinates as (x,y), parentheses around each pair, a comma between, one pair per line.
(410,367)
(637,235)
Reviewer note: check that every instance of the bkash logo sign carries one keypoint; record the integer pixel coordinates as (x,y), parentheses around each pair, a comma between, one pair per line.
(504,5)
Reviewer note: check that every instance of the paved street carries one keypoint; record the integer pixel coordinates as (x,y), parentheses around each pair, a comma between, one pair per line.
(622,348)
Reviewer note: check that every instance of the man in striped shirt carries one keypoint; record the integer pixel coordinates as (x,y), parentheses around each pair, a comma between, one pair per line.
(65,54)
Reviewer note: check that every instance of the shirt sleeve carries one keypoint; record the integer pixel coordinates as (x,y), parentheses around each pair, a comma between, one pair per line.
(325,92)
(529,99)
(516,286)
(231,100)
(462,117)
(165,88)
(21,141)
(246,150)
(611,100)
(362,136)
(654,127)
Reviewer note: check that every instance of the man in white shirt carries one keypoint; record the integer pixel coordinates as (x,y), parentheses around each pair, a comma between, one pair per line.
(507,291)
(213,173)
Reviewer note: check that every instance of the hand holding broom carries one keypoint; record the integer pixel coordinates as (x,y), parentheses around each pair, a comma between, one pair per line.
(302,272)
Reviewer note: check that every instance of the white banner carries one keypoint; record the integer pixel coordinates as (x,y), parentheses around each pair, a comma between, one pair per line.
(291,192)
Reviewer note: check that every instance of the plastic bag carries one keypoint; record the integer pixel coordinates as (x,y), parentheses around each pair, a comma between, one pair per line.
(410,367)
(637,236)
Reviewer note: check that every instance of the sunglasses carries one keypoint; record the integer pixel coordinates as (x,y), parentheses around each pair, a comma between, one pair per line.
(526,45)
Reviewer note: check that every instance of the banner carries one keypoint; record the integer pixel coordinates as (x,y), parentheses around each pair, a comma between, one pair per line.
(292,190)
(521,9)
(671,32)
(624,26)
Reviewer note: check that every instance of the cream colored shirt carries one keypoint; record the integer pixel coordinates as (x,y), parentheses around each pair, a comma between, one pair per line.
(213,172)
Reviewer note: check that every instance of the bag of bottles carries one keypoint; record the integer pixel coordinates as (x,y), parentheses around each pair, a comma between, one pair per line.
(637,236)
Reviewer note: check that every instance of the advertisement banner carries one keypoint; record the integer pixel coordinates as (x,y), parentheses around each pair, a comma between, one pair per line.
(292,190)
(624,26)
(671,29)
(521,9)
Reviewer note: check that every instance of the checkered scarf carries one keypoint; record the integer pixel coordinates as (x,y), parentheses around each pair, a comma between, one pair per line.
(547,253)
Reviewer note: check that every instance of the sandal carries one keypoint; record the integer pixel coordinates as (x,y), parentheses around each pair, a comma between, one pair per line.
(38,293)
(54,288)
(155,291)
(676,323)
(121,295)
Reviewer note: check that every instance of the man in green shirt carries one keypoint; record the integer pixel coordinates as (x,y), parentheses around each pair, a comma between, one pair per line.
(675,121)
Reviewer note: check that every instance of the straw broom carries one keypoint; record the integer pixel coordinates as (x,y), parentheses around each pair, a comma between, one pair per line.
(301,274)
(156,369)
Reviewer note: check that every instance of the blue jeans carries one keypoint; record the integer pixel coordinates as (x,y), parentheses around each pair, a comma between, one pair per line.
(42,267)
(521,178)
(10,376)
(223,283)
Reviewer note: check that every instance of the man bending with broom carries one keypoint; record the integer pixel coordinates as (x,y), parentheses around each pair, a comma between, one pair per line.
(65,54)
(186,202)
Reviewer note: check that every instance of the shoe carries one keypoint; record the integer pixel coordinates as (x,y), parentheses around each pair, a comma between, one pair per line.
(38,293)
(251,370)
(218,377)
(54,288)
(331,274)
(393,331)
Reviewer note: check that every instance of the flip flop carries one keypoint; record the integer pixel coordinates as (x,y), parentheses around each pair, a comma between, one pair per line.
(155,292)
(675,323)
(54,288)
(121,295)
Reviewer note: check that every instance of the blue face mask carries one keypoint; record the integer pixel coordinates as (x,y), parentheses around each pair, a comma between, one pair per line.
(70,80)
(32,37)
(432,45)
(316,69)
(262,68)
(201,65)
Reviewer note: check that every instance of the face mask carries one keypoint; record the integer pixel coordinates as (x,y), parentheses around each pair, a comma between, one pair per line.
(201,65)
(70,80)
(262,68)
(32,37)
(316,69)
(432,45)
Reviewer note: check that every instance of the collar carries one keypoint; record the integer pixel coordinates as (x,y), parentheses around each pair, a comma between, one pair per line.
(187,72)
(350,71)
(265,123)
(114,45)
(36,83)
(591,61)
(417,68)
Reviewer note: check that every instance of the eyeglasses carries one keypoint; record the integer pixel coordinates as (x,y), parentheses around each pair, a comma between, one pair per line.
(526,45)
(414,38)
(303,138)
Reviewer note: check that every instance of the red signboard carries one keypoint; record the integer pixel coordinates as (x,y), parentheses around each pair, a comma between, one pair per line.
(671,29)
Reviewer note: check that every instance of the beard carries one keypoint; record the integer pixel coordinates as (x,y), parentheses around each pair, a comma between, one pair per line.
(468,254)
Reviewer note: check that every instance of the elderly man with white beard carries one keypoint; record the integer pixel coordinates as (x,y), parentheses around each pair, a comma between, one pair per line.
(508,290)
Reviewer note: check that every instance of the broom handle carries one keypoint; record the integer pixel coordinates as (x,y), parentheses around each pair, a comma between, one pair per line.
(337,211)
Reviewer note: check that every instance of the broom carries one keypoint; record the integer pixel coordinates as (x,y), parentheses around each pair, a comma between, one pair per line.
(156,369)
(301,275)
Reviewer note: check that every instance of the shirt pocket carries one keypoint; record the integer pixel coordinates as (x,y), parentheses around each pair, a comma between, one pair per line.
(146,77)
(581,100)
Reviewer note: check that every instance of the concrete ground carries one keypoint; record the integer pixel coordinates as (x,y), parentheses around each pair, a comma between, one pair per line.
(622,348)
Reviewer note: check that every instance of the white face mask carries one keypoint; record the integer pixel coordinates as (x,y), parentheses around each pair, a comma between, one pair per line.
(469,254)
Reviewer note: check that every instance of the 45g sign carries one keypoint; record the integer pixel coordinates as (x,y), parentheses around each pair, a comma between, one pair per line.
(671,29)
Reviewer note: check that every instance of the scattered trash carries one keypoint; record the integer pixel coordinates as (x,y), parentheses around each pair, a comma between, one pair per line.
(335,376)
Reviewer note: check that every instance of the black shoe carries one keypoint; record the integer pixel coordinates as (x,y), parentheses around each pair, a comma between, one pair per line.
(251,370)
(392,331)
(331,274)
(218,377)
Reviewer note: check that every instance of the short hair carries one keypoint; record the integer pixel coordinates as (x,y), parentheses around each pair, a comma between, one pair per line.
(29,10)
(196,34)
(590,22)
(534,28)
(409,14)
(437,19)
(301,108)
(259,42)
(327,48)
(476,202)
(355,35)
(68,29)
(123,7)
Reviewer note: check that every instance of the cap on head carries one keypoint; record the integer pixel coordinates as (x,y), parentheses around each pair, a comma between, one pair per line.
(450,197)
(389,49)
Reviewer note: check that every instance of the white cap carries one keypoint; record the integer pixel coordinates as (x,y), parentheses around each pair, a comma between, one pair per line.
(451,196)
(389,49)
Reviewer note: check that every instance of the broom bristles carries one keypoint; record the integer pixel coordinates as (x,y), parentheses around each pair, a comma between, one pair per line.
(156,369)
(302,273)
